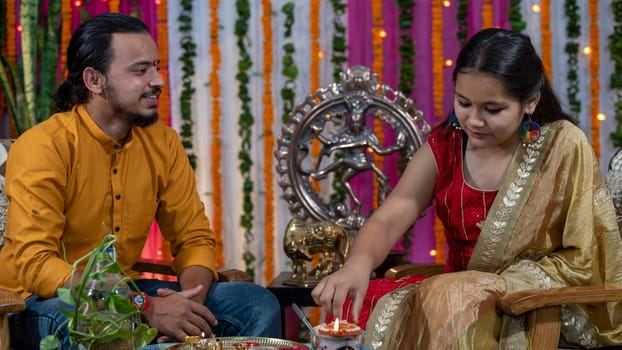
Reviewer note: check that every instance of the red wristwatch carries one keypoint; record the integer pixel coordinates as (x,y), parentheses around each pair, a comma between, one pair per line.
(141,301)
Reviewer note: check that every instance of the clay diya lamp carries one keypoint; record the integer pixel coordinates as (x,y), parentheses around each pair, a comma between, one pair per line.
(337,335)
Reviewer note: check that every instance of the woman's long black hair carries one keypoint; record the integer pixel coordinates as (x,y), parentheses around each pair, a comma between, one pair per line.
(511,57)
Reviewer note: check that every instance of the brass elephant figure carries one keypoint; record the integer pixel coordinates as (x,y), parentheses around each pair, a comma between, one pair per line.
(303,240)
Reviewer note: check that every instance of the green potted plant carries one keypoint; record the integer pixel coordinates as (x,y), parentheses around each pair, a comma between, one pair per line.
(102,314)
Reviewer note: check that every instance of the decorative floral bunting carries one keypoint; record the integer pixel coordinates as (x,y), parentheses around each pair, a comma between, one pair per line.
(594,82)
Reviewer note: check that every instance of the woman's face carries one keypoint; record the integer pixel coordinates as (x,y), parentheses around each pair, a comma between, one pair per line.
(486,112)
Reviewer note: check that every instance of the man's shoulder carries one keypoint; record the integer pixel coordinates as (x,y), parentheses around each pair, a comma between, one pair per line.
(56,128)
(160,133)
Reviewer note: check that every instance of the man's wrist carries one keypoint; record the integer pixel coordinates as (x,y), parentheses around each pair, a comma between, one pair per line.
(141,301)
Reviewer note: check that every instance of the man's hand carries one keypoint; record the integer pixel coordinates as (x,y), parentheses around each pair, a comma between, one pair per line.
(176,316)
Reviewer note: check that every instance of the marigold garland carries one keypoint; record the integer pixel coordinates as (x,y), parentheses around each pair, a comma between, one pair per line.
(487,15)
(162,38)
(215,147)
(377,67)
(594,82)
(11,23)
(314,72)
(66,13)
(547,45)
(113,5)
(438,92)
(245,130)
(314,68)
(268,114)
(439,241)
(438,60)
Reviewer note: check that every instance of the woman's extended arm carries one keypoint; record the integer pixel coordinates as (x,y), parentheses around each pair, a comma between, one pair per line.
(396,214)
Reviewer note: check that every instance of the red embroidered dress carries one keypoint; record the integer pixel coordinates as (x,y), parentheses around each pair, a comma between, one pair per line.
(461,208)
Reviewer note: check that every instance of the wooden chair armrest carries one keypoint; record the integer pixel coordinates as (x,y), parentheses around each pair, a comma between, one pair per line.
(10,302)
(154,266)
(517,303)
(164,268)
(404,270)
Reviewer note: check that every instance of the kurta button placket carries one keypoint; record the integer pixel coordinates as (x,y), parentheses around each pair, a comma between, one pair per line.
(116,179)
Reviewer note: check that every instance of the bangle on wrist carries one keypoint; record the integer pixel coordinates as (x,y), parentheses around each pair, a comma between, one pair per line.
(141,301)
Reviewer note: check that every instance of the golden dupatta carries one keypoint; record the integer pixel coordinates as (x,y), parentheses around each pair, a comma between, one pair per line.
(551,225)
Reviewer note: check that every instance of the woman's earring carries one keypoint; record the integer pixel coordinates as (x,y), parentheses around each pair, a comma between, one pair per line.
(453,120)
(529,131)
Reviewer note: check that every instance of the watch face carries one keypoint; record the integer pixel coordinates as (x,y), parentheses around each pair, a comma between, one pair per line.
(138,301)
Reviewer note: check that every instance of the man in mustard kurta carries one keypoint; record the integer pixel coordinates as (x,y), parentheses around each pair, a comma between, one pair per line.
(103,165)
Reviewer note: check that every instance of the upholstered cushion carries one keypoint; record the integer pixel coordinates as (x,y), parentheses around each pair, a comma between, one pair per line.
(4,152)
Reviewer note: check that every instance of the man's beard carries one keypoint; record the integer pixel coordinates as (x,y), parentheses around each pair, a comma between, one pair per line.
(140,120)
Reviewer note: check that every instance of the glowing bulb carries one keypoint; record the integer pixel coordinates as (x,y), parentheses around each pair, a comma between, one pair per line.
(446,3)
(158,2)
(320,54)
(433,252)
(587,50)
(601,116)
(19,27)
(382,33)
(535,8)
(449,63)
(77,3)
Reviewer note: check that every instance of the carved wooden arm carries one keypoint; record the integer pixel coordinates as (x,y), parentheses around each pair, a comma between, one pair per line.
(164,268)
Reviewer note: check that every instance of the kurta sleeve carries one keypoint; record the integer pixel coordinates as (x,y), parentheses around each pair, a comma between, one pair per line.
(181,214)
(35,185)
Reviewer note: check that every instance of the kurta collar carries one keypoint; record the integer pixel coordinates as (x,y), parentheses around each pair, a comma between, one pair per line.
(109,144)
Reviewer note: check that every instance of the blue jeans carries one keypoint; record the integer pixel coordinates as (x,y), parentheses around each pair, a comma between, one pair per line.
(242,309)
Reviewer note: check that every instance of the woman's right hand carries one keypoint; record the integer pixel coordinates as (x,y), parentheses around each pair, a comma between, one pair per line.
(350,281)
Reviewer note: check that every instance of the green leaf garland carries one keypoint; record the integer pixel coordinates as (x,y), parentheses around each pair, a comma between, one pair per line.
(406,47)
(615,50)
(339,59)
(245,124)
(463,26)
(515,16)
(188,49)
(573,31)
(339,42)
(406,85)
(290,71)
